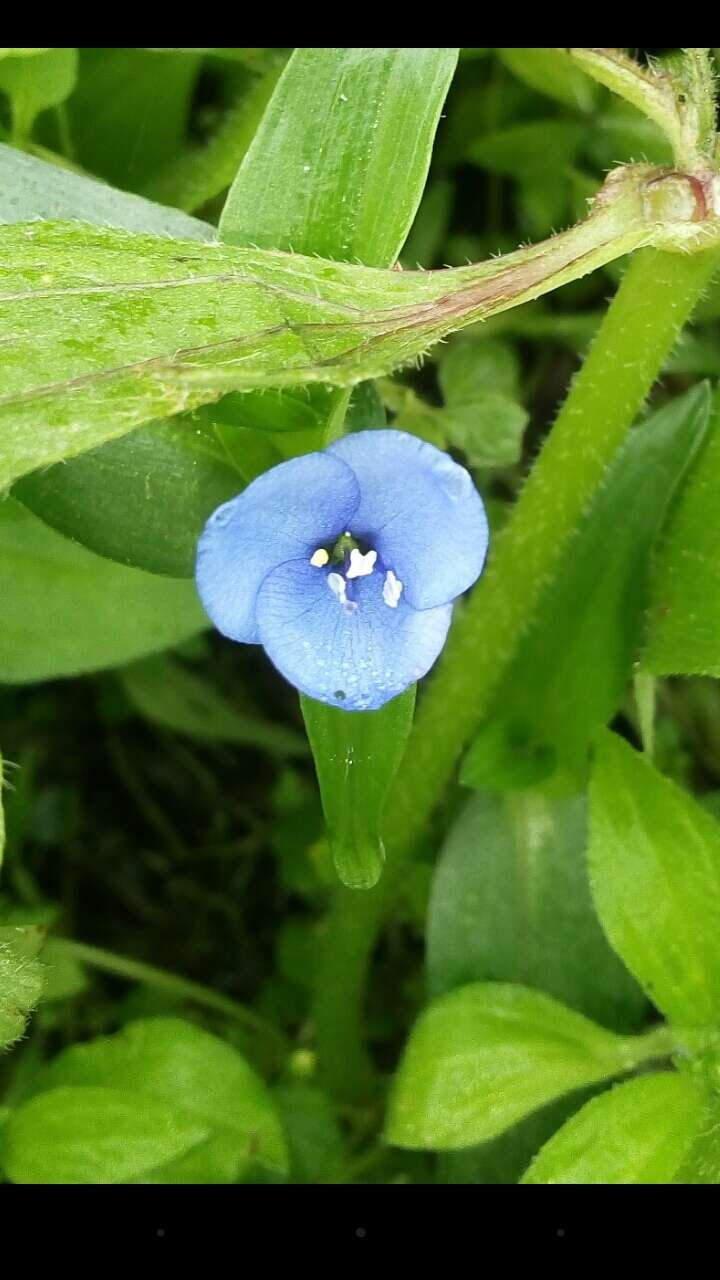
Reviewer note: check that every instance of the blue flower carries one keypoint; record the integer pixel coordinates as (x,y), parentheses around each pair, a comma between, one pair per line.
(344,564)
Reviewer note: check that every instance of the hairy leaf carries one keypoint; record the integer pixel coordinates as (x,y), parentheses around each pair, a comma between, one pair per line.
(482,1057)
(103,331)
(655,871)
(637,1133)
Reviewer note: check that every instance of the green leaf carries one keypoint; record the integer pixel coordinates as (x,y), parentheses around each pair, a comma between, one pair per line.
(341,108)
(357,755)
(521,150)
(67,610)
(173,1063)
(429,228)
(471,366)
(482,1057)
(572,666)
(489,430)
(212,1162)
(178,699)
(164,326)
(366,410)
(701,1163)
(481,416)
(552,72)
(291,410)
(544,202)
(142,500)
(503,1160)
(637,1133)
(32,188)
(129,112)
(511,902)
(684,609)
(21,979)
(655,871)
(248,57)
(622,135)
(93,1135)
(199,174)
(677,104)
(21,53)
(34,84)
(695,353)
(480,380)
(65,976)
(340,121)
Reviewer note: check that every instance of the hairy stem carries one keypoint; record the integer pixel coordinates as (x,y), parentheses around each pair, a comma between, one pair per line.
(656,297)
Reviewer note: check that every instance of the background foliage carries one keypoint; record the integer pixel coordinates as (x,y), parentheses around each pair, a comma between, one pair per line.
(543,1002)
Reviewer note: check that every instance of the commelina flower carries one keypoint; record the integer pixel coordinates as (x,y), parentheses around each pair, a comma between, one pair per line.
(344,564)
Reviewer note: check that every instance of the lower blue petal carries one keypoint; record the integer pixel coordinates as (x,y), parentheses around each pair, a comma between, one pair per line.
(420,511)
(357,659)
(288,512)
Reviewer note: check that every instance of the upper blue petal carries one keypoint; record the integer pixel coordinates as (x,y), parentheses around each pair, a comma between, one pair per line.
(286,513)
(421,512)
(357,660)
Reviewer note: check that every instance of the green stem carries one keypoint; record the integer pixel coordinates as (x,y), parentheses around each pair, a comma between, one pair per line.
(653,1045)
(183,988)
(656,297)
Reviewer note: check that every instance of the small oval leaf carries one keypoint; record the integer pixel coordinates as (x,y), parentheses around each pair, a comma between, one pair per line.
(93,1135)
(485,1055)
(655,872)
(637,1133)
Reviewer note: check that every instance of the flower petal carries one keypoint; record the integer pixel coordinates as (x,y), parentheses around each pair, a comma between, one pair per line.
(355,658)
(420,511)
(288,512)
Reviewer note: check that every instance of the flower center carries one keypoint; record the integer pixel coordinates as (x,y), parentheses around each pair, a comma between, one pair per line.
(344,546)
(356,562)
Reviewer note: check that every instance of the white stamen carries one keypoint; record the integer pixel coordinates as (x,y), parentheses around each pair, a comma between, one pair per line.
(336,583)
(361,565)
(392,589)
(319,558)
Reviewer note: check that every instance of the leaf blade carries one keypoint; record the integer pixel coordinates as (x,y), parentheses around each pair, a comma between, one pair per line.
(103,330)
(91,1135)
(654,858)
(32,188)
(683,611)
(485,1055)
(95,613)
(510,902)
(174,1063)
(575,659)
(315,177)
(637,1133)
